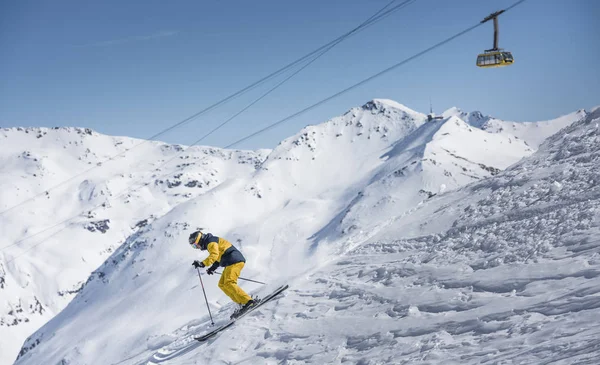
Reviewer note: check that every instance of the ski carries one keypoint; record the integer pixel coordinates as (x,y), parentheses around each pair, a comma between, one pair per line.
(232,321)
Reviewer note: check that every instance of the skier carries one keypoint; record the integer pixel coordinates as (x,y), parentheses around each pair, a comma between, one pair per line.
(223,253)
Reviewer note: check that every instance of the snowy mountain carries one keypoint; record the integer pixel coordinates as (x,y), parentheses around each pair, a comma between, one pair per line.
(325,193)
(41,273)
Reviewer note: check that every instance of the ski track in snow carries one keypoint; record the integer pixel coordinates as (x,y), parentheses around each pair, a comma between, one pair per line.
(397,268)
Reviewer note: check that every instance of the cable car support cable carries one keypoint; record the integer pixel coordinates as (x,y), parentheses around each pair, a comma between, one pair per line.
(379,15)
(360,83)
(391,68)
(375,18)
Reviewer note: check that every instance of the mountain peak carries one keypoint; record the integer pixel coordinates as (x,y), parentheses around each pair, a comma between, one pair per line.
(454,111)
(475,118)
(383,104)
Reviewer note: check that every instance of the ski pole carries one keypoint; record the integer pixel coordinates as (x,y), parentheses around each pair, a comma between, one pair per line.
(206,299)
(241,278)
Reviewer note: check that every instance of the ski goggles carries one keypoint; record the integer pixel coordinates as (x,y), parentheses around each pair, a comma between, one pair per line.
(196,242)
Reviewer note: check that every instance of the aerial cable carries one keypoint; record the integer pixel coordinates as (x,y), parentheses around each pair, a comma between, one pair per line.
(274,88)
(437,45)
(378,16)
(136,186)
(333,44)
(379,12)
(360,83)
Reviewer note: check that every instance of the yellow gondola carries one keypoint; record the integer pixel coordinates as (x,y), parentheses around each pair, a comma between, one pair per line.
(494,57)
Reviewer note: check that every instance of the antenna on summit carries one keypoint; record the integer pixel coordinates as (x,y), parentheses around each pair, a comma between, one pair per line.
(430,106)
(431,116)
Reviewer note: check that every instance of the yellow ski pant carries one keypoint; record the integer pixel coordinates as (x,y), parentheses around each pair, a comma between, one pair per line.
(228,283)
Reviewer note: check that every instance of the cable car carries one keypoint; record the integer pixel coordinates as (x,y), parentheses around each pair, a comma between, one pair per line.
(495,57)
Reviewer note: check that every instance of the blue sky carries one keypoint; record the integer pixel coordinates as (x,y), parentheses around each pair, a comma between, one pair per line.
(135,67)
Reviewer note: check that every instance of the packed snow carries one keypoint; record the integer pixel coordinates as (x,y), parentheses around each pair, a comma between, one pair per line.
(403,241)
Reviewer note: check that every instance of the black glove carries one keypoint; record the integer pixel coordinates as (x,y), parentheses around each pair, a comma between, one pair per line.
(197,264)
(211,270)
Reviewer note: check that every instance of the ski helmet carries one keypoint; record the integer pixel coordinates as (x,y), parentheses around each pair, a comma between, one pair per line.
(194,238)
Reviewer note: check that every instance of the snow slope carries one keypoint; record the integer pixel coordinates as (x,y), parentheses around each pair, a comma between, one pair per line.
(319,194)
(399,122)
(505,270)
(439,156)
(40,275)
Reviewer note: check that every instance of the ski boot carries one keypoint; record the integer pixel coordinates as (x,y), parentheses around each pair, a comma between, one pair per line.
(246,307)
(236,312)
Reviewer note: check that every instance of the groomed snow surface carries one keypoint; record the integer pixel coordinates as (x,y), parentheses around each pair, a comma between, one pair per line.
(403,241)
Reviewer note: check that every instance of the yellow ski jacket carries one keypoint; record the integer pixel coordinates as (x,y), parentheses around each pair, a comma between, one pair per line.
(220,251)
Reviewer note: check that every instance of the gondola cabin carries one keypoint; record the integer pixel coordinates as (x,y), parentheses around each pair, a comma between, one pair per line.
(495,59)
